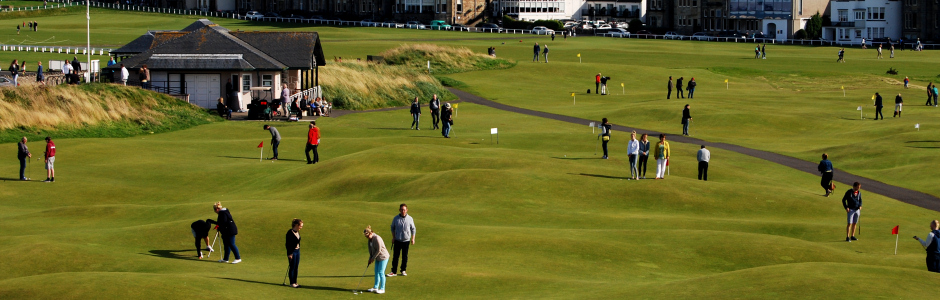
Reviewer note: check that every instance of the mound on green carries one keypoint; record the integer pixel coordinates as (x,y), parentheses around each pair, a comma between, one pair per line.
(92,110)
(360,86)
(443,59)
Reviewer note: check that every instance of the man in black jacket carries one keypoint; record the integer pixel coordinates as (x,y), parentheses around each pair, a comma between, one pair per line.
(669,88)
(76,70)
(23,154)
(292,245)
(200,231)
(852,202)
(878,106)
(415,114)
(686,118)
(679,88)
(228,230)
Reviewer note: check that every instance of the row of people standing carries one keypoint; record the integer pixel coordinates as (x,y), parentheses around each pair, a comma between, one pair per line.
(932,92)
(18,69)
(638,152)
(443,115)
(690,87)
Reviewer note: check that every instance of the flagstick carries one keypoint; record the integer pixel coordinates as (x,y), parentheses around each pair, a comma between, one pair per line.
(261,158)
(727,85)
(575,100)
(896,237)
(843,93)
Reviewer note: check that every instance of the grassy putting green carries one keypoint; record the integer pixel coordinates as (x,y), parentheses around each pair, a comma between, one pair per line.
(536,216)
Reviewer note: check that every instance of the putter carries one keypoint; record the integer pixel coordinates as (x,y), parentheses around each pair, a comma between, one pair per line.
(357,291)
(289,261)
(213,243)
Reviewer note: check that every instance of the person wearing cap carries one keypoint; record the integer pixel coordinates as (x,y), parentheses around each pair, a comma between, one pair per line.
(50,160)
(703,157)
(23,154)
(447,119)
(932,245)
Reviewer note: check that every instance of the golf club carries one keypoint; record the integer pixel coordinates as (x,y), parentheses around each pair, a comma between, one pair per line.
(213,244)
(357,291)
(289,261)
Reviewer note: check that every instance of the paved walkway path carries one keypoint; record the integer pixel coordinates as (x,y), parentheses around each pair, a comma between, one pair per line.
(898,193)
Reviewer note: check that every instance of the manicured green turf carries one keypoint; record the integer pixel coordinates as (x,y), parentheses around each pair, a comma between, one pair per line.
(537,216)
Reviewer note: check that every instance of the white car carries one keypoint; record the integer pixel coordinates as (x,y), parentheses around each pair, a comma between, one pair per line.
(672,35)
(542,30)
(701,36)
(603,26)
(618,32)
(253,15)
(415,25)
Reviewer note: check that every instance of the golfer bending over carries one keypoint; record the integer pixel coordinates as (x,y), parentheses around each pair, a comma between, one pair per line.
(379,255)
(852,202)
(275,139)
(293,250)
(228,230)
(930,244)
(200,231)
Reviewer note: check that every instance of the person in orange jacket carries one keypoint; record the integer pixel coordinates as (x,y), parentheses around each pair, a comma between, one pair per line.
(313,140)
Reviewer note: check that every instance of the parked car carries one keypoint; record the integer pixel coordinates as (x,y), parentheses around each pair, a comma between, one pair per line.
(542,30)
(570,24)
(415,25)
(439,25)
(604,26)
(701,36)
(490,27)
(618,32)
(458,27)
(367,23)
(253,15)
(271,15)
(643,33)
(732,34)
(672,35)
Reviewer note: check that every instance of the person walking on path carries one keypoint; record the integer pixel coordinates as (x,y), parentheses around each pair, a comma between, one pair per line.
(23,154)
(763,51)
(275,139)
(669,88)
(686,119)
(40,78)
(292,245)
(124,75)
(825,169)
(50,160)
(605,135)
(15,72)
(929,93)
(661,154)
(852,202)
(898,102)
(878,106)
(907,82)
(879,52)
(703,157)
(379,255)
(597,83)
(842,54)
(644,156)
(403,236)
(545,52)
(415,114)
(447,119)
(931,245)
(200,230)
(679,89)
(536,50)
(313,141)
(228,230)
(633,151)
(435,107)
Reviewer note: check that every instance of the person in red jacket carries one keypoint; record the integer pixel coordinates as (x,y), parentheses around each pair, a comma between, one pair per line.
(50,160)
(597,83)
(313,140)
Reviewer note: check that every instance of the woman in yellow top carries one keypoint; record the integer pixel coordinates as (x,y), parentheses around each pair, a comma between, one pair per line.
(661,154)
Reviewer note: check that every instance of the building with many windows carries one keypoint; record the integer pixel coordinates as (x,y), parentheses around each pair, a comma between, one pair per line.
(614,10)
(921,19)
(853,20)
(659,13)
(687,16)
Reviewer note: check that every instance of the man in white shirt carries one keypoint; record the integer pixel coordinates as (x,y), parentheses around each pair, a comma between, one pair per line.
(124,75)
(703,157)
(67,71)
(931,245)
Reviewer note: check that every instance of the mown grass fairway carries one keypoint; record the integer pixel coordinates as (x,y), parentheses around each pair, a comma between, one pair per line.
(536,216)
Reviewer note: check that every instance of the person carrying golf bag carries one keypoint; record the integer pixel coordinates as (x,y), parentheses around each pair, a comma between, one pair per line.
(292,245)
(378,254)
(228,230)
(200,231)
(23,154)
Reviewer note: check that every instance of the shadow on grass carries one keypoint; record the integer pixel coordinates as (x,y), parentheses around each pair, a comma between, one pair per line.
(341,276)
(322,288)
(599,176)
(173,254)
(923,147)
(577,158)
(391,128)
(17,179)
(253,158)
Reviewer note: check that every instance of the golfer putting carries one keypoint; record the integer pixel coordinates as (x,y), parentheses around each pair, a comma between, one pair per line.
(200,230)
(379,255)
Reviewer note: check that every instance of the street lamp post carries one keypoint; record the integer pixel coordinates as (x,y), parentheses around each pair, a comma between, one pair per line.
(88,35)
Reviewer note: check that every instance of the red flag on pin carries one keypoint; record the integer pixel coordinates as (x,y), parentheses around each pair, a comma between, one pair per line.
(261,145)
(895,230)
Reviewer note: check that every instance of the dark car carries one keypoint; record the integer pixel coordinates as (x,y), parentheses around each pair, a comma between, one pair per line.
(271,15)
(732,34)
(490,27)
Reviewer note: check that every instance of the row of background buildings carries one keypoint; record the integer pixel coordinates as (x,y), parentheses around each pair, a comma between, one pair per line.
(845,20)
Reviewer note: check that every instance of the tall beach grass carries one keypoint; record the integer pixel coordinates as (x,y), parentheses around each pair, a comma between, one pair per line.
(443,59)
(362,85)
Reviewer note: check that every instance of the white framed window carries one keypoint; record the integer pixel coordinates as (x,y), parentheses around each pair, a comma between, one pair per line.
(459,4)
(843,15)
(859,14)
(267,80)
(246,82)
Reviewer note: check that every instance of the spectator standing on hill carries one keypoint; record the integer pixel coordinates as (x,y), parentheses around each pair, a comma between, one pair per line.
(644,156)
(879,52)
(669,88)
(15,72)
(907,81)
(878,106)
(597,83)
(50,160)
(76,70)
(35,26)
(23,154)
(763,51)
(292,245)
(415,114)
(200,230)
(228,230)
(447,120)
(842,54)
(435,107)
(275,139)
(931,244)
(145,77)
(691,87)
(40,78)
(929,93)
(686,118)
(17,29)
(124,74)
(605,135)
(403,236)
(379,255)
(679,88)
(703,157)
(313,141)
(852,202)
(633,151)
(545,53)
(536,49)
(898,102)
(825,169)
(661,154)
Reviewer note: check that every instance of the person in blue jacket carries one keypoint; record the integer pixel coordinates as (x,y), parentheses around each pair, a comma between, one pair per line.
(825,168)
(852,202)
(228,230)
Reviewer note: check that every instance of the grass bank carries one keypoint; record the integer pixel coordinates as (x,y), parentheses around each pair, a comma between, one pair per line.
(359,86)
(92,110)
(443,59)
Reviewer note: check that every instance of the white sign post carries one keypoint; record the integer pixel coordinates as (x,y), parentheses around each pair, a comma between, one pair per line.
(860,113)
(492,132)
(917,126)
(592,127)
